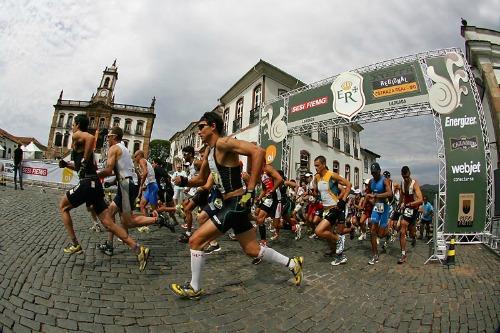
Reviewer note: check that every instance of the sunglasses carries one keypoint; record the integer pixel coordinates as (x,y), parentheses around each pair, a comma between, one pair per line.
(201,126)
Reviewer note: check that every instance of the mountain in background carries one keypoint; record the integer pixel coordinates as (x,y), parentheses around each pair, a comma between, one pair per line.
(430,191)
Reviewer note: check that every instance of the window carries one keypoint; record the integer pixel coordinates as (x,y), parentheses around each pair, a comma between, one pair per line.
(323,137)
(116,121)
(257,96)
(125,142)
(58,140)
(139,127)
(365,165)
(336,138)
(128,125)
(347,172)
(92,122)
(347,147)
(335,166)
(60,123)
(282,91)
(239,108)
(226,119)
(304,159)
(106,82)
(66,139)
(69,122)
(137,146)
(101,123)
(355,144)
(356,177)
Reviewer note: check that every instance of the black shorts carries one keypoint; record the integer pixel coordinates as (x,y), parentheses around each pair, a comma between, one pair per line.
(200,199)
(269,205)
(335,216)
(232,215)
(125,197)
(410,219)
(425,221)
(89,191)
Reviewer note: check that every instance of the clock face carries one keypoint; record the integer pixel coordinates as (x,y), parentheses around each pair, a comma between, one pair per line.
(103,93)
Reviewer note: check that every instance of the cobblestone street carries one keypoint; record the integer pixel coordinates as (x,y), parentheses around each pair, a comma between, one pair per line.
(43,289)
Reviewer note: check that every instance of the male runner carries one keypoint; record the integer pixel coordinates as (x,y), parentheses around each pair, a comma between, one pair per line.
(222,161)
(326,184)
(147,184)
(378,195)
(410,200)
(89,190)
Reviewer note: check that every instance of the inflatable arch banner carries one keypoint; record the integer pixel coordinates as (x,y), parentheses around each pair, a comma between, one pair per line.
(436,82)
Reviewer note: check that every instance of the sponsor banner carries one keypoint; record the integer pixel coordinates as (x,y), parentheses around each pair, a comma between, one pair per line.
(352,94)
(466,182)
(273,131)
(40,171)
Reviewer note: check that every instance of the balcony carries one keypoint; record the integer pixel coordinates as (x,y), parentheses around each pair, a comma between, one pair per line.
(254,115)
(347,148)
(336,143)
(139,131)
(237,124)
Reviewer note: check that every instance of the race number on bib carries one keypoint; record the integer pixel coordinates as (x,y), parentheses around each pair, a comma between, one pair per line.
(408,212)
(268,202)
(379,207)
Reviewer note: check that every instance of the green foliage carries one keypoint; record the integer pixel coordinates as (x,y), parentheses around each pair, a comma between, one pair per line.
(159,149)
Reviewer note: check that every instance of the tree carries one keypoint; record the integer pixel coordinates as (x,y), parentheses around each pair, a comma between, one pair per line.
(159,149)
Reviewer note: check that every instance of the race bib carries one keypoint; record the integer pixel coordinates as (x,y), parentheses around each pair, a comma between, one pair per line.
(408,212)
(218,203)
(268,202)
(379,207)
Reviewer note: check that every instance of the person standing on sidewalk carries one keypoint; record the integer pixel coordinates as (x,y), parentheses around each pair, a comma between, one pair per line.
(18,168)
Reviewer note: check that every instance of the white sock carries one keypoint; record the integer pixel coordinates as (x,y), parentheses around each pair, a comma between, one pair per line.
(268,254)
(197,261)
(403,252)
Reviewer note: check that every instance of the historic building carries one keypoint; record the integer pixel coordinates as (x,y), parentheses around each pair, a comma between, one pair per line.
(239,108)
(9,142)
(136,121)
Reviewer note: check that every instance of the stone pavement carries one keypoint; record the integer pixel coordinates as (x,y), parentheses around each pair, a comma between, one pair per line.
(43,289)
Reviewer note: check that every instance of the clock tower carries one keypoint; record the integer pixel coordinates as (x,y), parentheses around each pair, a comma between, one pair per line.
(106,88)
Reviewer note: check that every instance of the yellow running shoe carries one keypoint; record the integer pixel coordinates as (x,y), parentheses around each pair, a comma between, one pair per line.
(297,270)
(186,291)
(70,249)
(142,257)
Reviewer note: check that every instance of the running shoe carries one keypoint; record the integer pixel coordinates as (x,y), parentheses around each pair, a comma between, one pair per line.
(256,261)
(70,249)
(106,248)
(184,226)
(340,244)
(184,238)
(275,237)
(212,248)
(341,259)
(313,236)
(298,231)
(143,229)
(384,247)
(142,257)
(297,270)
(362,236)
(186,291)
(180,210)
(231,236)
(402,260)
(95,227)
(373,260)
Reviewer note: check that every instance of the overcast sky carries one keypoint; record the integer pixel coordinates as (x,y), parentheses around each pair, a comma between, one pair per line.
(188,53)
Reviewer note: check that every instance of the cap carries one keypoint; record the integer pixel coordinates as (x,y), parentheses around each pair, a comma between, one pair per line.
(375,167)
(387,173)
(357,191)
(367,181)
(308,174)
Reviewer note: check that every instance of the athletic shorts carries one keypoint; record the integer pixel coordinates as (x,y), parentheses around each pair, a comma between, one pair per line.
(410,215)
(334,216)
(200,199)
(151,193)
(381,217)
(232,215)
(269,205)
(125,197)
(425,221)
(89,191)
(179,194)
(313,207)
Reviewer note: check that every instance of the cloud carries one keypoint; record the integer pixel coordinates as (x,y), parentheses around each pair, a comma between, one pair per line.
(189,53)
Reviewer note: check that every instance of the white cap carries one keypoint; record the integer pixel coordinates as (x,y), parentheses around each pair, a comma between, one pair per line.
(367,181)
(357,191)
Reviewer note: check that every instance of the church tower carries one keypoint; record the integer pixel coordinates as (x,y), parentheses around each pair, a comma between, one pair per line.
(105,91)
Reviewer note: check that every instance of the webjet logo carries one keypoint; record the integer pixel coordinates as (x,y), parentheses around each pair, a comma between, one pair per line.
(466,168)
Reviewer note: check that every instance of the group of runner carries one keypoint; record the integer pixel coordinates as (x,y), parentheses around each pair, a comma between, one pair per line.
(229,197)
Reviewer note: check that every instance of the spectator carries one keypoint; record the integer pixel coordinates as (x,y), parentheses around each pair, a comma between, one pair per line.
(18,168)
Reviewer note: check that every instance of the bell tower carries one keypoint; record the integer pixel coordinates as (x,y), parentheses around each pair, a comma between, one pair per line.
(105,91)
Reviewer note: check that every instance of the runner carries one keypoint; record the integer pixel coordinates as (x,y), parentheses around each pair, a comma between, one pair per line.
(410,200)
(222,161)
(326,184)
(89,190)
(147,183)
(378,194)
(120,164)
(367,208)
